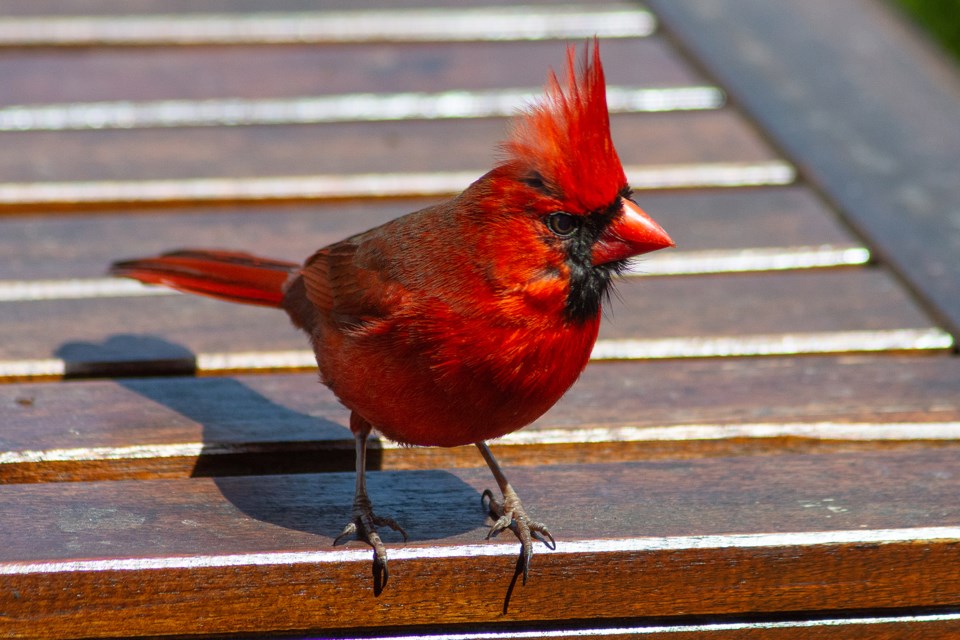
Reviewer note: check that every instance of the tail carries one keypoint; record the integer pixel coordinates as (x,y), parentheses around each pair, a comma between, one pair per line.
(233,276)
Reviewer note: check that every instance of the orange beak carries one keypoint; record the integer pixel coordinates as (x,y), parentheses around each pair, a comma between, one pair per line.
(630,234)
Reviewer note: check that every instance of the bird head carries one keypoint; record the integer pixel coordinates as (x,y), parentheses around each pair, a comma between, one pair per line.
(561,177)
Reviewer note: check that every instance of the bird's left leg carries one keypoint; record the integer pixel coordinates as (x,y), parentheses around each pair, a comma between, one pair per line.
(363,525)
(510,514)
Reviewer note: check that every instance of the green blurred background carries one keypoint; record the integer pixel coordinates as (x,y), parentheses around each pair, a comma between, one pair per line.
(941,18)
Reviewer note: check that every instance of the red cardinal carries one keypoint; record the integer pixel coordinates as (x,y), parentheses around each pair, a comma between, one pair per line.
(466,320)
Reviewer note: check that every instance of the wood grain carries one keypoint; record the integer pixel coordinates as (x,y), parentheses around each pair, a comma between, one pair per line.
(199,73)
(343,148)
(160,427)
(836,521)
(777,497)
(892,169)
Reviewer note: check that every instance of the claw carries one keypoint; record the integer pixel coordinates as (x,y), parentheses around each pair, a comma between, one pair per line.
(380,573)
(546,538)
(486,498)
(510,514)
(390,522)
(349,530)
(363,527)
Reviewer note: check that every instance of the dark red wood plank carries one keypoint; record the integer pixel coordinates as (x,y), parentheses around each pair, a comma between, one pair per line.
(879,133)
(697,538)
(158,427)
(198,73)
(343,148)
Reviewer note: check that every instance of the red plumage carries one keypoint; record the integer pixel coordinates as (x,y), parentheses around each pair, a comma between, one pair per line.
(469,319)
(229,275)
(567,137)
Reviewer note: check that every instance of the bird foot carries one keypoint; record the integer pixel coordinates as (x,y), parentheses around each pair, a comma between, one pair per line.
(510,514)
(363,527)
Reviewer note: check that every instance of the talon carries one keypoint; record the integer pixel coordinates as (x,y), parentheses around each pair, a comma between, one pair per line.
(486,498)
(545,537)
(510,514)
(390,522)
(504,522)
(364,522)
(349,530)
(363,527)
(380,573)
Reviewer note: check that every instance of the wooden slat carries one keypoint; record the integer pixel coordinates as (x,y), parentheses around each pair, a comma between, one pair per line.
(146,7)
(228,190)
(148,428)
(696,538)
(777,497)
(61,247)
(110,336)
(353,107)
(428,24)
(891,168)
(760,304)
(741,218)
(105,74)
(470,145)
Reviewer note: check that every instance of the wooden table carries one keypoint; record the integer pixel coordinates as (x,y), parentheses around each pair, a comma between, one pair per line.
(764,447)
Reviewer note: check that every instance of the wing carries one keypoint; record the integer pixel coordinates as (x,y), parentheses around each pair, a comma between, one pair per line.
(350,283)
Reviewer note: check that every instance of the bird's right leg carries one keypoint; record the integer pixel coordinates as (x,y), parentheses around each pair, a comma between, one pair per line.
(364,522)
(510,514)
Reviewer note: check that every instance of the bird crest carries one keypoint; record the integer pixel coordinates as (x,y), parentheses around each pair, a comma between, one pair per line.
(563,141)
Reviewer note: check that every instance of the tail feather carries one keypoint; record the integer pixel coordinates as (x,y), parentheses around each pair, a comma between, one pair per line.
(233,276)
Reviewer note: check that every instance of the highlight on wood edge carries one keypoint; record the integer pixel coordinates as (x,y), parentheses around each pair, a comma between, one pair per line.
(832,431)
(20,195)
(572,547)
(361,107)
(825,342)
(673,264)
(387,25)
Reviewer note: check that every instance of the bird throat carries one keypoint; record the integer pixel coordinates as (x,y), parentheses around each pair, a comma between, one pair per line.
(590,284)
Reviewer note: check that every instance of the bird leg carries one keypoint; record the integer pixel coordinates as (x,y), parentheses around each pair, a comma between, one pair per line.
(510,514)
(364,523)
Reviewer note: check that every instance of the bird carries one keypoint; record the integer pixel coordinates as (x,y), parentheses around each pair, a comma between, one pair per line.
(466,320)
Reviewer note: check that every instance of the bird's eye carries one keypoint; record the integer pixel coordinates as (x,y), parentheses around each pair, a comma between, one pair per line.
(561,224)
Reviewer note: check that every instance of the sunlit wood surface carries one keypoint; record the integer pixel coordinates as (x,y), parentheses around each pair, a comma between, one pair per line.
(765,445)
